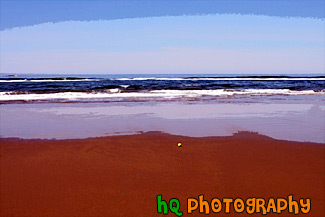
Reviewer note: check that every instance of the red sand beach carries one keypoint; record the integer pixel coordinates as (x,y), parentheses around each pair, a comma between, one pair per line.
(122,175)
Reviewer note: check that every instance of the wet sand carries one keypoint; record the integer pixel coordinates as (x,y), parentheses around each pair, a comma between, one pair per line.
(122,175)
(294,119)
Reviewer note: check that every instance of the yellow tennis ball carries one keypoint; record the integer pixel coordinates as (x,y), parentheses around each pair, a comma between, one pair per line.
(179,144)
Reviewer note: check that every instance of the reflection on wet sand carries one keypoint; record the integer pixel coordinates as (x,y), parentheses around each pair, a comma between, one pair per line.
(289,120)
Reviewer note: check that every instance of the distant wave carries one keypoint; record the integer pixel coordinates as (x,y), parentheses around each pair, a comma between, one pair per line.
(48,80)
(232,79)
(237,78)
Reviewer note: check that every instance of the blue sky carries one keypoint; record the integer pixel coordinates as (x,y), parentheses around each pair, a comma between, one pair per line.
(197,38)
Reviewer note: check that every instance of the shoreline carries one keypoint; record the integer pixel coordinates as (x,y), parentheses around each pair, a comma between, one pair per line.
(293,120)
(122,175)
(144,133)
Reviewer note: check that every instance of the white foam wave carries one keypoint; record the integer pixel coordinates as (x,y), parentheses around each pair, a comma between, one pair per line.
(155,94)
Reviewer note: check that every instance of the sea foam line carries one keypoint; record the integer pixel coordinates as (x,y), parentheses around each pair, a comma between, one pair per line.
(165,94)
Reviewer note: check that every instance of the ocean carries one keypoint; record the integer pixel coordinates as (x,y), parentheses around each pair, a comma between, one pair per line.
(289,107)
(146,87)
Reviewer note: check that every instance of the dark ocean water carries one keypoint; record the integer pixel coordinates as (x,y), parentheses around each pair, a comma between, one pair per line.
(81,87)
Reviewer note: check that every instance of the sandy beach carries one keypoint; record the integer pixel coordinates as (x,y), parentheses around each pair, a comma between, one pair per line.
(122,175)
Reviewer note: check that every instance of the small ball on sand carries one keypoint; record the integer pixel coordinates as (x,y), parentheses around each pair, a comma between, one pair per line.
(179,144)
